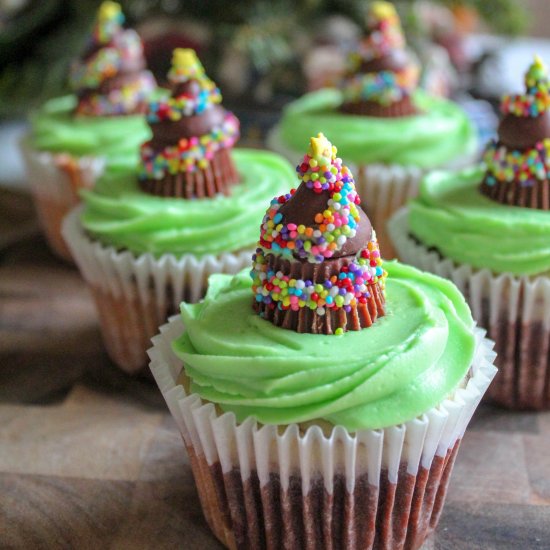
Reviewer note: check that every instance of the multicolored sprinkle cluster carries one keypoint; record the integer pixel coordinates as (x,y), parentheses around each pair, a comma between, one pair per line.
(536,99)
(101,66)
(525,167)
(185,66)
(384,87)
(344,290)
(189,154)
(320,171)
(384,33)
(120,51)
(119,101)
(109,21)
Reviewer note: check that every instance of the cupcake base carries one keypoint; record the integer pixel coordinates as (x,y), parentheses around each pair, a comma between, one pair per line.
(306,320)
(135,295)
(402,108)
(514,310)
(55,180)
(290,487)
(515,193)
(218,178)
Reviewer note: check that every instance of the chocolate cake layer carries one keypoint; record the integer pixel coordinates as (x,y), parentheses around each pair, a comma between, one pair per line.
(522,348)
(306,320)
(217,178)
(391,516)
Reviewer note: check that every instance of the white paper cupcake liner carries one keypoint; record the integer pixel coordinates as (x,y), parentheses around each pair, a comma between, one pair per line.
(383,188)
(54,180)
(280,487)
(514,310)
(134,295)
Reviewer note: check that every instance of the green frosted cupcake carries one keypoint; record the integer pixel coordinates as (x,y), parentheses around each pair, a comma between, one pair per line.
(388,130)
(322,397)
(148,238)
(73,138)
(488,229)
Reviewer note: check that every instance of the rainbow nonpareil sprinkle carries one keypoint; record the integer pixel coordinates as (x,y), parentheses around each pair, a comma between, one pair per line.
(175,108)
(525,167)
(344,290)
(189,154)
(536,99)
(185,67)
(384,36)
(320,170)
(116,51)
(384,32)
(194,153)
(384,87)
(118,101)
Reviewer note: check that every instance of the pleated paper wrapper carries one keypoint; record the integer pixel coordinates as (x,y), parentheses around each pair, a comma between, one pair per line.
(383,188)
(134,295)
(55,180)
(514,310)
(282,487)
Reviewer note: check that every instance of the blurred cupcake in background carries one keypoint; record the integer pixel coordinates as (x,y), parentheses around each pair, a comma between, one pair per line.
(390,131)
(147,239)
(73,138)
(322,397)
(488,230)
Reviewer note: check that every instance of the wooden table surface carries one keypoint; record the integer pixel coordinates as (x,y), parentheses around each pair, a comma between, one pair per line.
(90,458)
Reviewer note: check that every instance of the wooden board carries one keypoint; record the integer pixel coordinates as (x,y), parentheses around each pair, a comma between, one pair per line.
(90,458)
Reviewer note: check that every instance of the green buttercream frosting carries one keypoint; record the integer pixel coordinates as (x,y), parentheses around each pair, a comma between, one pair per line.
(404,364)
(451,215)
(440,134)
(118,213)
(116,138)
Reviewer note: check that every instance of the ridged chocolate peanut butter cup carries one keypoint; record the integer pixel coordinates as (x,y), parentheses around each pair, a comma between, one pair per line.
(518,162)
(189,155)
(382,73)
(110,79)
(317,268)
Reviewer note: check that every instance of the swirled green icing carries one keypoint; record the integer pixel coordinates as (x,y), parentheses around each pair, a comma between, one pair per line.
(116,138)
(389,373)
(118,213)
(440,134)
(451,215)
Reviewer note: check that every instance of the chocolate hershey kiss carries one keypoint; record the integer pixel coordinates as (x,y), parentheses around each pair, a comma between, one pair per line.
(395,61)
(168,132)
(517,132)
(305,204)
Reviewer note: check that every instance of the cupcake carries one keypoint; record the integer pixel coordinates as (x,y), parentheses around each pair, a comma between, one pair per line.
(322,403)
(148,238)
(488,230)
(388,129)
(72,138)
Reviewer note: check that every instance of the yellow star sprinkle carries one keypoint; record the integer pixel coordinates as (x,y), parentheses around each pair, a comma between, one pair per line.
(321,149)
(185,58)
(383,10)
(108,10)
